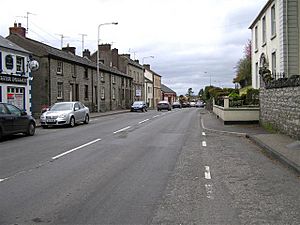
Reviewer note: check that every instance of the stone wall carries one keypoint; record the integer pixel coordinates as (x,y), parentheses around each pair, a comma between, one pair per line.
(280,110)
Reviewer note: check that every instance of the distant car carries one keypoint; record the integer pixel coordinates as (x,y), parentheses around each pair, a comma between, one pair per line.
(65,113)
(14,120)
(192,104)
(200,104)
(176,105)
(185,105)
(139,106)
(163,105)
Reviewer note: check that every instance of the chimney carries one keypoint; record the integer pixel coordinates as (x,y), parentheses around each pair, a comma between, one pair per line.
(115,57)
(86,53)
(69,49)
(104,47)
(137,61)
(126,55)
(146,66)
(18,29)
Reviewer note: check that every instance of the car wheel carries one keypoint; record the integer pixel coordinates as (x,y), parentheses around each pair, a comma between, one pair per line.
(87,119)
(44,126)
(72,122)
(31,129)
(142,110)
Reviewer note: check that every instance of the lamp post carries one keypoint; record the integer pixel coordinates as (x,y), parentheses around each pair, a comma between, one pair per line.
(151,56)
(98,56)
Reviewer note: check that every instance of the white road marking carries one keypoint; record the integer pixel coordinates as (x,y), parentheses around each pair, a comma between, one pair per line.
(207,173)
(74,149)
(204,143)
(203,134)
(143,121)
(3,179)
(209,191)
(156,116)
(125,128)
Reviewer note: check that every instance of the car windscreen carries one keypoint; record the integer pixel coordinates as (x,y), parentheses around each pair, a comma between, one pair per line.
(61,107)
(137,103)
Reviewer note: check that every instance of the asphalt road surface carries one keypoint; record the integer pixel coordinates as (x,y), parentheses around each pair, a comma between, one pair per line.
(143,168)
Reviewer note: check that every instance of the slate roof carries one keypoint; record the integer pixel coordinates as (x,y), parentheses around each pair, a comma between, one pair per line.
(166,89)
(42,50)
(10,45)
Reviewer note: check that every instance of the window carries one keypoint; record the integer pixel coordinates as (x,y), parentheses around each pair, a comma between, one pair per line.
(59,90)
(73,70)
(102,93)
(86,91)
(264,30)
(102,77)
(149,90)
(113,93)
(59,69)
(274,63)
(256,37)
(273,21)
(113,79)
(20,65)
(86,74)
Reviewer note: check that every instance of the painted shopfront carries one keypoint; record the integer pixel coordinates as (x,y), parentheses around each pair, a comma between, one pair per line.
(15,75)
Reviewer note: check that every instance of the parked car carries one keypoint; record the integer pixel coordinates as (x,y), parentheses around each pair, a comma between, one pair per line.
(200,104)
(185,105)
(176,105)
(163,105)
(192,104)
(14,120)
(139,106)
(65,113)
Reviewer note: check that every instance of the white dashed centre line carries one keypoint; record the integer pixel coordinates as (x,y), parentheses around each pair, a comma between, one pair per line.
(203,134)
(155,116)
(207,173)
(143,121)
(204,143)
(125,128)
(3,179)
(209,191)
(74,149)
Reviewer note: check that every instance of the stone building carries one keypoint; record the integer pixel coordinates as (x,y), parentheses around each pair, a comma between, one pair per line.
(148,74)
(64,76)
(275,39)
(156,89)
(123,62)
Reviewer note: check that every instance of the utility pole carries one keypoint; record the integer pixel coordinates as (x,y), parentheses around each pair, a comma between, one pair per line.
(82,42)
(61,39)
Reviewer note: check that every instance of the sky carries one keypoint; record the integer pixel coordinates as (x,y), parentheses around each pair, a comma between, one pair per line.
(194,43)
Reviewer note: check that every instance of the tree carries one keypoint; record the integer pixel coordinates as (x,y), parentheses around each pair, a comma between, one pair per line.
(243,67)
(190,94)
(201,93)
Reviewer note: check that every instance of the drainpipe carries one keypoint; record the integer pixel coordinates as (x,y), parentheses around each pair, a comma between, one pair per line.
(49,82)
(286,35)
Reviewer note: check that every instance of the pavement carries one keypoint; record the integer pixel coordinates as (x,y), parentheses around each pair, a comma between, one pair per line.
(279,146)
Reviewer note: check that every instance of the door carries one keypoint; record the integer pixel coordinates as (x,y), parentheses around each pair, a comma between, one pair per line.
(78,112)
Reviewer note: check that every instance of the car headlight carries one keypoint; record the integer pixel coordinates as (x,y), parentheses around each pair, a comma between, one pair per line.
(62,116)
(42,117)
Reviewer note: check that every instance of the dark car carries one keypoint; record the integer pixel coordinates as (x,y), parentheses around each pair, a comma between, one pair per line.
(139,106)
(14,120)
(176,105)
(163,105)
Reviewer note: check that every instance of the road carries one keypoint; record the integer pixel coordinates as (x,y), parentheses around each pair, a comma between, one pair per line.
(143,168)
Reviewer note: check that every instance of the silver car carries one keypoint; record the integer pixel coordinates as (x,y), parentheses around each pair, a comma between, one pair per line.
(65,113)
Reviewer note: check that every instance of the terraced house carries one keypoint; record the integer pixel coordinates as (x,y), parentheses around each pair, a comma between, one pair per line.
(276,39)
(64,76)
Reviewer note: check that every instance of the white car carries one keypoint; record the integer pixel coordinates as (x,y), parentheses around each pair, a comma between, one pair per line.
(65,113)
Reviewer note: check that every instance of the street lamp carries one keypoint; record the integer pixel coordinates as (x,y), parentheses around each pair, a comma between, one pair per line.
(151,56)
(98,56)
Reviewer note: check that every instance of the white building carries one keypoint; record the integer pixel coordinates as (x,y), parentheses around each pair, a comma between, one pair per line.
(276,39)
(15,82)
(148,74)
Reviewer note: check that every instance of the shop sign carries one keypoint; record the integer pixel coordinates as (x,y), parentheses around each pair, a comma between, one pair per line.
(138,93)
(13,79)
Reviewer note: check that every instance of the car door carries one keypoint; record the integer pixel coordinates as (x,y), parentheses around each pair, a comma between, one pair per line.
(77,112)
(6,120)
(20,120)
